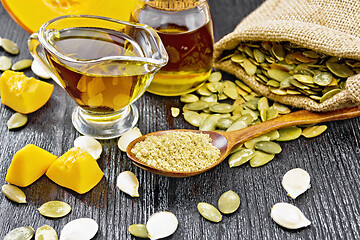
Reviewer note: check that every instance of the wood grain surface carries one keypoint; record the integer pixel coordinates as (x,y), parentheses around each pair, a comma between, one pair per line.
(332,203)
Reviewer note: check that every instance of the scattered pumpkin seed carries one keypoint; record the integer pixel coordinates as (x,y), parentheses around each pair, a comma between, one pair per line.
(17,120)
(282,109)
(193,118)
(215,77)
(20,233)
(197,106)
(261,158)
(81,228)
(268,147)
(210,99)
(138,230)
(237,125)
(323,78)
(189,98)
(288,216)
(231,92)
(329,94)
(224,123)
(249,67)
(90,145)
(175,112)
(204,91)
(54,209)
(128,137)
(228,202)
(9,46)
(221,108)
(209,123)
(209,212)
(289,133)
(161,225)
(313,131)
(251,143)
(128,183)
(46,233)
(296,181)
(39,70)
(240,157)
(5,63)
(340,70)
(21,65)
(13,193)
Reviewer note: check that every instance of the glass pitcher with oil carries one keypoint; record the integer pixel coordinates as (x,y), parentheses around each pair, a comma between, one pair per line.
(104,65)
(186,30)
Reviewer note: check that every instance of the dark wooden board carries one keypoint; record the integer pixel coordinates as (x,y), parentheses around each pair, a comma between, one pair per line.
(332,160)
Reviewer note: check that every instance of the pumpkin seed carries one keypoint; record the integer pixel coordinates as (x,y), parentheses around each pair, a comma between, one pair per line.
(138,230)
(204,91)
(81,228)
(189,98)
(323,78)
(251,143)
(253,103)
(237,125)
(282,109)
(288,216)
(224,123)
(39,70)
(231,92)
(306,79)
(90,145)
(273,135)
(20,233)
(128,183)
(127,138)
(329,94)
(5,63)
(296,181)
(278,75)
(268,147)
(249,67)
(13,193)
(46,233)
(272,113)
(273,83)
(222,108)
(240,157)
(278,51)
(238,58)
(215,77)
(197,106)
(161,225)
(209,212)
(313,131)
(277,91)
(193,118)
(210,99)
(175,112)
(340,70)
(22,64)
(17,120)
(9,46)
(209,123)
(54,209)
(228,202)
(261,158)
(289,133)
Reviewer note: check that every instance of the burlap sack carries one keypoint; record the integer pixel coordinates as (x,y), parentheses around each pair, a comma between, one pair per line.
(328,26)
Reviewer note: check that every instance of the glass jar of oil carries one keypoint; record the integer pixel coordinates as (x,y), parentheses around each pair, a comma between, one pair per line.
(186,30)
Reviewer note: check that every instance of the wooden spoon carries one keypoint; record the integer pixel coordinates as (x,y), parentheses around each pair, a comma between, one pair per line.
(225,141)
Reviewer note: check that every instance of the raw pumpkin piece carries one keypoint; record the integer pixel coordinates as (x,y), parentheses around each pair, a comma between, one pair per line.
(28,165)
(23,94)
(76,169)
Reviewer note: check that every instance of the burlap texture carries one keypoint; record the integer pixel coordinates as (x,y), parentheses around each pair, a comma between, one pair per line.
(328,26)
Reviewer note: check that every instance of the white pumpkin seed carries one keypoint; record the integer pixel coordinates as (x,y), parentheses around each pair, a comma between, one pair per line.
(138,230)
(20,233)
(128,137)
(9,46)
(90,145)
(209,212)
(79,229)
(288,216)
(22,64)
(13,193)
(39,70)
(5,63)
(17,120)
(175,112)
(54,209)
(46,233)
(296,181)
(228,202)
(128,183)
(161,225)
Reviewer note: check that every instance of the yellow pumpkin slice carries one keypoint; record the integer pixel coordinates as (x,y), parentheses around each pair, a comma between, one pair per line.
(77,170)
(22,94)
(28,165)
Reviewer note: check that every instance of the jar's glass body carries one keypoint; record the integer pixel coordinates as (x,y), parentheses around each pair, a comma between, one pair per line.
(186,30)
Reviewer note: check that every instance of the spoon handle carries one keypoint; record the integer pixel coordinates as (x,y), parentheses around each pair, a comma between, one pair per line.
(292,119)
